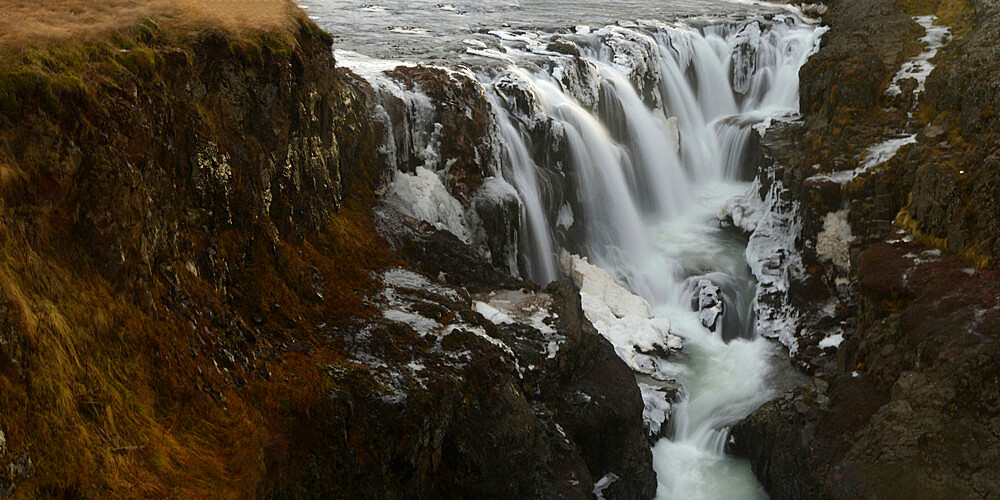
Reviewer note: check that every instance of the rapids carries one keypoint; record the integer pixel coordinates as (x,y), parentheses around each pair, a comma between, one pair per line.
(627,154)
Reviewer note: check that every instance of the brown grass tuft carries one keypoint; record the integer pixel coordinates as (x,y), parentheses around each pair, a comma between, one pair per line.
(30,22)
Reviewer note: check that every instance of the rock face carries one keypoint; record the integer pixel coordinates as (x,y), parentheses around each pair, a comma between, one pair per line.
(898,303)
(709,304)
(200,295)
(850,70)
(955,181)
(912,407)
(564,375)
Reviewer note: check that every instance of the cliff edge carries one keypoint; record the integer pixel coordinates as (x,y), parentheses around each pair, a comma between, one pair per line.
(197,299)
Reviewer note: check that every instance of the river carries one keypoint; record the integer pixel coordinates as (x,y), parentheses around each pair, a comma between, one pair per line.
(623,129)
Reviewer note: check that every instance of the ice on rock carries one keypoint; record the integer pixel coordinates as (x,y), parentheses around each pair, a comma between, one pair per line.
(479,44)
(710,304)
(399,306)
(423,196)
(635,54)
(745,56)
(833,243)
(656,407)
(771,252)
(920,67)
(622,317)
(565,218)
(884,151)
(603,484)
(874,155)
(505,307)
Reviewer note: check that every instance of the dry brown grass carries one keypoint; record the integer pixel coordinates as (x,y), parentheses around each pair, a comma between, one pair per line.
(102,392)
(28,22)
(107,400)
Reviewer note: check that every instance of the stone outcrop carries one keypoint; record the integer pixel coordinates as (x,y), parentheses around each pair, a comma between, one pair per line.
(902,342)
(911,408)
(564,376)
(955,180)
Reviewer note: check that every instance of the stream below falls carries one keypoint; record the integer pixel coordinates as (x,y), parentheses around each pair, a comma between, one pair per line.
(621,141)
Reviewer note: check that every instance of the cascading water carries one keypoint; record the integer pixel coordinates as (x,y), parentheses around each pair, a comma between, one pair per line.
(539,262)
(626,153)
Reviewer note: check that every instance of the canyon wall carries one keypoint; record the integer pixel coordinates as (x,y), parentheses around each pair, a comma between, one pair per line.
(200,295)
(903,341)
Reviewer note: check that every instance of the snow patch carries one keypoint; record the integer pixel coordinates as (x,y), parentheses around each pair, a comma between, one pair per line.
(874,155)
(622,317)
(494,315)
(831,341)
(833,243)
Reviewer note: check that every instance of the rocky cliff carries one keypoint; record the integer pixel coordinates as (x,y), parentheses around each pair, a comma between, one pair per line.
(200,295)
(899,297)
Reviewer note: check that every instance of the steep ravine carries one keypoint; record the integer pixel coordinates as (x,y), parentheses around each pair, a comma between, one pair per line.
(215,280)
(607,142)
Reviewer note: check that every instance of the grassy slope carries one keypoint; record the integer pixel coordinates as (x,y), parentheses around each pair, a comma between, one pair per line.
(103,389)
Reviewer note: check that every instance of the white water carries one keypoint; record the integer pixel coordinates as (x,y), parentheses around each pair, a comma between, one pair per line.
(651,213)
(644,208)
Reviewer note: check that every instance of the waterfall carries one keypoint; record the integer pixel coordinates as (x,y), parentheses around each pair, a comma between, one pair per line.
(539,259)
(626,154)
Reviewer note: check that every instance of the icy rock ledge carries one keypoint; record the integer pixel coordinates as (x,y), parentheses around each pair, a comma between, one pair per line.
(709,304)
(773,227)
(622,317)
(531,309)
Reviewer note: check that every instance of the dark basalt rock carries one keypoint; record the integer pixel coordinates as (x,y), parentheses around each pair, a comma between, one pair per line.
(848,73)
(440,253)
(605,424)
(912,406)
(583,387)
(907,405)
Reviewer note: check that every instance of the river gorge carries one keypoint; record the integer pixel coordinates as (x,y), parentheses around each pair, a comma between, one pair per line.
(680,249)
